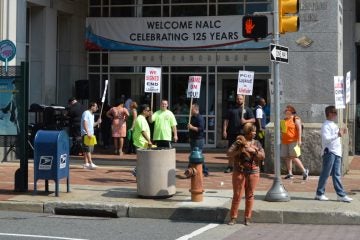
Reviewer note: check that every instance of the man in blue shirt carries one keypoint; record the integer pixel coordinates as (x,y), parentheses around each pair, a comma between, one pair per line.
(196,132)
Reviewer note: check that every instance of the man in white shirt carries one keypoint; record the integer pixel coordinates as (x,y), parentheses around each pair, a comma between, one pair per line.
(87,131)
(331,146)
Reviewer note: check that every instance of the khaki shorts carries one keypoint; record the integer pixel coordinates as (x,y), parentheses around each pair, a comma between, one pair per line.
(287,150)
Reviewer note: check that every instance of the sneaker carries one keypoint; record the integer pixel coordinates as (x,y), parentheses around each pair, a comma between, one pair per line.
(93,166)
(306,174)
(206,174)
(344,199)
(289,176)
(232,221)
(86,166)
(133,172)
(228,170)
(321,198)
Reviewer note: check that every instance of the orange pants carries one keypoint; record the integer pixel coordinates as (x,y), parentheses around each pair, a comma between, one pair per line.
(243,181)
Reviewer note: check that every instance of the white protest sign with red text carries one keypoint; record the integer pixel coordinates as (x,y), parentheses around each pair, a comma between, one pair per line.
(152,79)
(194,87)
(245,83)
(339,92)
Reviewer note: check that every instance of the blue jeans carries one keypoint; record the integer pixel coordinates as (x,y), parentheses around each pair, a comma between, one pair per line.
(200,144)
(331,166)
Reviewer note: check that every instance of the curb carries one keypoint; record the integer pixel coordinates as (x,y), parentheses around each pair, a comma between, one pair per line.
(202,214)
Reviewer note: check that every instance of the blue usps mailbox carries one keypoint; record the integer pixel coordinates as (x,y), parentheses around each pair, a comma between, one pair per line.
(51,158)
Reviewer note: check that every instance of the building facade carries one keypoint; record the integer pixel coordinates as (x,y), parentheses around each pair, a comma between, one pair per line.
(69,41)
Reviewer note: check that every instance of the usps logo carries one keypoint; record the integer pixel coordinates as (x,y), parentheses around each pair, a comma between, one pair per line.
(45,162)
(63,158)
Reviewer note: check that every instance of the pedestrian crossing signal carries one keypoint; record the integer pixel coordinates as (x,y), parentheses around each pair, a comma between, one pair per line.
(255,26)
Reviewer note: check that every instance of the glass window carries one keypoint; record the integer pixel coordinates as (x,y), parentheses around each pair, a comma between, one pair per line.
(94,69)
(151,2)
(230,69)
(212,10)
(263,69)
(122,2)
(104,58)
(152,11)
(230,9)
(224,1)
(105,12)
(189,10)
(165,86)
(95,2)
(269,1)
(95,12)
(121,69)
(188,1)
(94,59)
(122,12)
(188,69)
(261,7)
(166,11)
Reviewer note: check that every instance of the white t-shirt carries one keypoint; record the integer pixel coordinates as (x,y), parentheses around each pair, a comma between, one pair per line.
(330,138)
(89,118)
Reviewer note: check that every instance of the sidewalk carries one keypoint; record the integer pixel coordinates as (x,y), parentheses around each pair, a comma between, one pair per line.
(111,190)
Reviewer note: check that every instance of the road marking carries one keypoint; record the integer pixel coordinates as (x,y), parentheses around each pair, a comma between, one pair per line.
(198,232)
(39,236)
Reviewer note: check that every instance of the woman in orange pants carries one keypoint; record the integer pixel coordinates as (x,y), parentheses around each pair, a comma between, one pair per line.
(247,153)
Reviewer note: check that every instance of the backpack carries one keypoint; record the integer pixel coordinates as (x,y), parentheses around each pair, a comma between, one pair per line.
(302,125)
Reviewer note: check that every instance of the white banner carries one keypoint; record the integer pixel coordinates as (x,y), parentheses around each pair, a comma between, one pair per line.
(347,85)
(165,33)
(339,92)
(194,87)
(152,79)
(245,83)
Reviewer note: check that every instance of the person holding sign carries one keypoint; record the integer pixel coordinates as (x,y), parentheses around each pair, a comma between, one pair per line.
(196,132)
(87,131)
(331,146)
(233,124)
(165,122)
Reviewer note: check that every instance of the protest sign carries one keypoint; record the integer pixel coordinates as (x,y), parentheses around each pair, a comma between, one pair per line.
(245,83)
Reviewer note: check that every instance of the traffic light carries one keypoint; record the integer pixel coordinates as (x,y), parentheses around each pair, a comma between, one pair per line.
(255,26)
(288,23)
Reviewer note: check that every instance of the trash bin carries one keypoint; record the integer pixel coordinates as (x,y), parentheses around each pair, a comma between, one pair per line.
(156,172)
(51,158)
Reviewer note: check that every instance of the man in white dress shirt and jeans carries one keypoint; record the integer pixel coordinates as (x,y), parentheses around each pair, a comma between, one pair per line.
(332,151)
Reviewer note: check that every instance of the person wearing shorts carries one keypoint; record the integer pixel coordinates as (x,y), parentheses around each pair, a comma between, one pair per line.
(87,131)
(290,140)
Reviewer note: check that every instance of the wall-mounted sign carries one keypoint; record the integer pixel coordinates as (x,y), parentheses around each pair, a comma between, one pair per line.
(7,51)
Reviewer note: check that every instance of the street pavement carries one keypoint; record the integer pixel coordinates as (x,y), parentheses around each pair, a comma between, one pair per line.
(111,190)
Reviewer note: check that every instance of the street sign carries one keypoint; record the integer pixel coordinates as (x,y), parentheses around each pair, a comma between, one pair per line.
(279,53)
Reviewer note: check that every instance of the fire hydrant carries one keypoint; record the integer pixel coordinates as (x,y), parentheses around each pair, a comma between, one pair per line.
(195,171)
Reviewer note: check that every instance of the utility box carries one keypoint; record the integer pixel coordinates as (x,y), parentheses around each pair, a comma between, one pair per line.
(51,158)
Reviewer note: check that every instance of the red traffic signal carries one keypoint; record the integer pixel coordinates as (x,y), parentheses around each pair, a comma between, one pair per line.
(255,26)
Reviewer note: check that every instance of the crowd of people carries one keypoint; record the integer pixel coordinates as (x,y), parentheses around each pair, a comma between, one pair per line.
(243,128)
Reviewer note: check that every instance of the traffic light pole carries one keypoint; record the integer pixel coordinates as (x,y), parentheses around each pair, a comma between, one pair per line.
(277,193)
